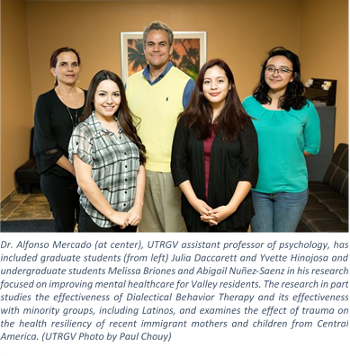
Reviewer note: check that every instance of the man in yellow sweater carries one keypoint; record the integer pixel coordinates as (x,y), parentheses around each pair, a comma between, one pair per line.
(157,95)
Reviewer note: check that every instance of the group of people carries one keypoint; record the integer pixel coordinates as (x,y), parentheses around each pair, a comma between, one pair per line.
(117,159)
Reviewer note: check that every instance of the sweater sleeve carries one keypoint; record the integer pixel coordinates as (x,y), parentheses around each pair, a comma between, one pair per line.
(249,154)
(312,131)
(179,159)
(45,145)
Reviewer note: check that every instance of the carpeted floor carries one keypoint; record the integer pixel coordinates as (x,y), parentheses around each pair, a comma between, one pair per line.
(28,226)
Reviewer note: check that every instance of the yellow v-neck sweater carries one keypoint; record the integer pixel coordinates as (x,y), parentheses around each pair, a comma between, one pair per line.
(158,107)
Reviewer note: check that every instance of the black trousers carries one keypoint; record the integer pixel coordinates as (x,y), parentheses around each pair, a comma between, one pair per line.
(63,198)
(209,228)
(86,224)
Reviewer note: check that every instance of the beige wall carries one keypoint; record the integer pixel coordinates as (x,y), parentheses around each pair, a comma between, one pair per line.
(324,52)
(239,31)
(16,97)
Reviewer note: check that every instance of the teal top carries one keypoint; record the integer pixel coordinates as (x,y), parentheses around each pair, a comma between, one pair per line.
(283,136)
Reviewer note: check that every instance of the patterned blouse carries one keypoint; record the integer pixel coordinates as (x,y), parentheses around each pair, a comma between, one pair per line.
(115,162)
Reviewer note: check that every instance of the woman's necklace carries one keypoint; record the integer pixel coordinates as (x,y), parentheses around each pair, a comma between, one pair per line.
(64,98)
(74,122)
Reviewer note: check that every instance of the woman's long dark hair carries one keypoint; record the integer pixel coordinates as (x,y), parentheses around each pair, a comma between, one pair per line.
(293,97)
(124,114)
(199,112)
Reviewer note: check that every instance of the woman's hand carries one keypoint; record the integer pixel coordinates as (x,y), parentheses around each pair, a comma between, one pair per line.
(222,212)
(202,207)
(120,218)
(199,205)
(135,215)
(217,215)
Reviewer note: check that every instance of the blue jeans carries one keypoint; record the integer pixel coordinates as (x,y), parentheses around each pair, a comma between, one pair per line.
(278,212)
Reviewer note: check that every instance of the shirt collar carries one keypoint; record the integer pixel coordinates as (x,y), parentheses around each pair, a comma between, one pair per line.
(98,125)
(146,73)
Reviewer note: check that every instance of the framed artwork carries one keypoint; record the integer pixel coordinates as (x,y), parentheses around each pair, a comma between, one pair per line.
(189,52)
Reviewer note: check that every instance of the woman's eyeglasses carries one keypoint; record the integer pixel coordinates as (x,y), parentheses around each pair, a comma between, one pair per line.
(280,71)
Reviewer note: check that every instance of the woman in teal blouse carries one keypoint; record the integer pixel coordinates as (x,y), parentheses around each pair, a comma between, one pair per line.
(288,129)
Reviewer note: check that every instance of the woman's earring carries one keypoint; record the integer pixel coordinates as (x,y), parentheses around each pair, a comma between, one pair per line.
(55,80)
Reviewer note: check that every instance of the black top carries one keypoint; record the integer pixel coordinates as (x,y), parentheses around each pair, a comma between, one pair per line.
(53,127)
(230,162)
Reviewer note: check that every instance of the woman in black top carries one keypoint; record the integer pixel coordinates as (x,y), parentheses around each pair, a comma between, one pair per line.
(215,155)
(56,115)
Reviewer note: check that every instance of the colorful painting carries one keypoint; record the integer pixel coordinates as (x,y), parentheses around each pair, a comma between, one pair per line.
(189,52)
